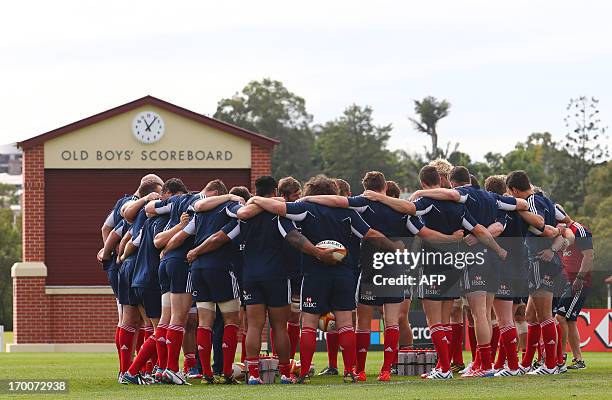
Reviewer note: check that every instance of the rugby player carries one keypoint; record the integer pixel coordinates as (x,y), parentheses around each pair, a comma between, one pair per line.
(145,279)
(212,279)
(127,255)
(290,189)
(174,283)
(577,261)
(544,273)
(392,224)
(109,260)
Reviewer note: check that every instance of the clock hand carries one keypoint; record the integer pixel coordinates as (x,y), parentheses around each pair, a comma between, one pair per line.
(148,128)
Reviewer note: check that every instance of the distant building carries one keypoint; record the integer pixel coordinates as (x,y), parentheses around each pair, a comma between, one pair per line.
(10,159)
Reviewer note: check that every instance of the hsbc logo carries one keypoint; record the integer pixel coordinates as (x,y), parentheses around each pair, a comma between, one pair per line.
(308,303)
(594,328)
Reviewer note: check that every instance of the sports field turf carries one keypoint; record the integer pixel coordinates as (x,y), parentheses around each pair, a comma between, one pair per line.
(93,376)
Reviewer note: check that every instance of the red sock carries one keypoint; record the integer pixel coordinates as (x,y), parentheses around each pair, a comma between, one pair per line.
(148,331)
(117,330)
(485,356)
(162,349)
(438,337)
(533,338)
(347,340)
(501,357)
(509,340)
(174,341)
(308,344)
(332,348)
(549,335)
(472,339)
(540,348)
(293,329)
(145,353)
(494,341)
(456,343)
(253,366)
(560,359)
(189,361)
(243,346)
(204,341)
(230,342)
(362,339)
(284,369)
(141,338)
(126,340)
(391,341)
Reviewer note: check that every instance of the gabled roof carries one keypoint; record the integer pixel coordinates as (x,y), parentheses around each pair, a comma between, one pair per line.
(150,100)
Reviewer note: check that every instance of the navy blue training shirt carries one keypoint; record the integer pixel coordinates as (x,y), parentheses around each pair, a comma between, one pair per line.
(324,223)
(205,224)
(147,261)
(483,205)
(384,219)
(176,206)
(544,207)
(444,216)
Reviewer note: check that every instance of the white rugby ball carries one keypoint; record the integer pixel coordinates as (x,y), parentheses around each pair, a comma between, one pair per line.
(339,249)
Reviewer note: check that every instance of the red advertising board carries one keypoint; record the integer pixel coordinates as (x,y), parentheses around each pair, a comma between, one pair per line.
(594,326)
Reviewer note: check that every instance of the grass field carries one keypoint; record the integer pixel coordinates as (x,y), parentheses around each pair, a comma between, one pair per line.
(92,376)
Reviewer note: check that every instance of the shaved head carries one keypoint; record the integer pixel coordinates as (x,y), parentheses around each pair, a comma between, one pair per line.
(151,178)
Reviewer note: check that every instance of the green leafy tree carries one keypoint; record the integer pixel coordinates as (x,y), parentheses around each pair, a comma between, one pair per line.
(352,144)
(10,253)
(429,112)
(268,107)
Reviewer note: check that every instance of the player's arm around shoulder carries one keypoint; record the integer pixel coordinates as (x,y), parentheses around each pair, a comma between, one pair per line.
(270,205)
(328,200)
(439,194)
(399,205)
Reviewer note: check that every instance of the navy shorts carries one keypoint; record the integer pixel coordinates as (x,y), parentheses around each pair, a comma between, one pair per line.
(321,295)
(483,277)
(367,298)
(150,299)
(430,289)
(296,288)
(214,285)
(570,304)
(173,275)
(126,295)
(545,276)
(113,280)
(272,293)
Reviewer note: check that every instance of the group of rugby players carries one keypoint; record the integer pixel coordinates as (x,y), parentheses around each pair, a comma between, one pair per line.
(191,270)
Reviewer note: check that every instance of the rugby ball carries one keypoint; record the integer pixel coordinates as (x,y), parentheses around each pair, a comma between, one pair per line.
(339,249)
(327,322)
(296,368)
(238,371)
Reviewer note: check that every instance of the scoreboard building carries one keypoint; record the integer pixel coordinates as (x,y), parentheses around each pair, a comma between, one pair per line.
(72,177)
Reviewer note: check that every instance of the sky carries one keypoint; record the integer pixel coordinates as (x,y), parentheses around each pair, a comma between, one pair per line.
(508,68)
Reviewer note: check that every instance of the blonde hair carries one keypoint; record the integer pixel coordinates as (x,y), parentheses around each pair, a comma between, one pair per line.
(442,166)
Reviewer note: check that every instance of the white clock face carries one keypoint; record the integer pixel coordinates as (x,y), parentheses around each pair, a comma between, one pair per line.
(148,127)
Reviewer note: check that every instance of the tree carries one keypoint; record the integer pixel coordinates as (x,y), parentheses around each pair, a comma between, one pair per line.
(352,144)
(430,111)
(10,253)
(268,107)
(582,139)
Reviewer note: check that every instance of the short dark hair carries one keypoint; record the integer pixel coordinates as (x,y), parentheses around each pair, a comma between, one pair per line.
(496,184)
(241,191)
(393,189)
(343,187)
(474,181)
(429,175)
(148,187)
(374,180)
(174,185)
(320,184)
(265,185)
(218,185)
(288,186)
(518,180)
(460,174)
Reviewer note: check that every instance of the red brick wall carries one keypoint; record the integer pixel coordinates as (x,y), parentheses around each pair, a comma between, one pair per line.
(30,310)
(82,318)
(260,163)
(33,213)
